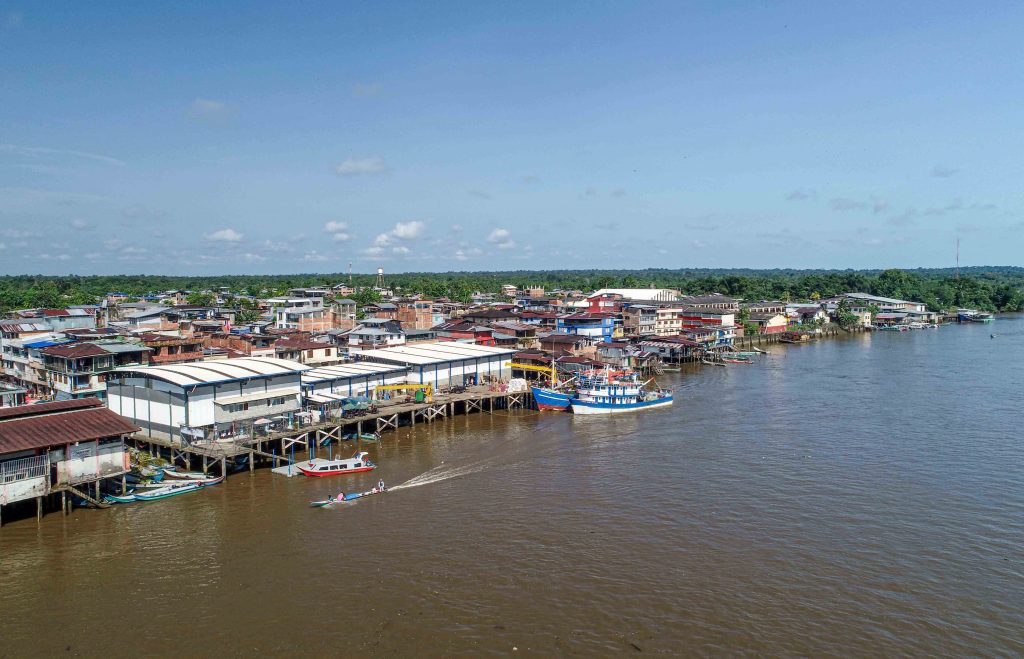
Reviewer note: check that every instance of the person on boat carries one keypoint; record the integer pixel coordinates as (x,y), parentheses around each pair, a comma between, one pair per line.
(341,496)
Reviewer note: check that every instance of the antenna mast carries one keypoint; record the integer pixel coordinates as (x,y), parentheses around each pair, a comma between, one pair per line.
(350,274)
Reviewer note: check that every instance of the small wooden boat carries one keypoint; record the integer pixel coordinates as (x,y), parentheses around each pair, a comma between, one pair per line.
(172,490)
(119,498)
(148,486)
(186,475)
(670,369)
(322,504)
(380,489)
(366,436)
(320,467)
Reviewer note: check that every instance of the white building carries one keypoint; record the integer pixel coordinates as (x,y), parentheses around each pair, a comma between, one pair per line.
(445,363)
(642,294)
(329,383)
(205,398)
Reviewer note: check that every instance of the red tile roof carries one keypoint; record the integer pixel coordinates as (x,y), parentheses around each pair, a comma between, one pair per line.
(62,422)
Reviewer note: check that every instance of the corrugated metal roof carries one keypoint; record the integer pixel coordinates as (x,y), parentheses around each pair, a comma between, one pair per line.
(436,353)
(60,423)
(346,371)
(221,370)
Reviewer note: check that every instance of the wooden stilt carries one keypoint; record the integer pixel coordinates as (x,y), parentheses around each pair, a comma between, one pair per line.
(63,502)
(204,464)
(39,509)
(223,466)
(252,461)
(124,484)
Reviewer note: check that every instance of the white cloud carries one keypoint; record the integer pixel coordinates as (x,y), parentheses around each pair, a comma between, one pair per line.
(401,249)
(373,251)
(382,240)
(250,257)
(205,108)
(408,230)
(41,151)
(338,231)
(315,257)
(78,224)
(456,228)
(502,239)
(225,235)
(362,167)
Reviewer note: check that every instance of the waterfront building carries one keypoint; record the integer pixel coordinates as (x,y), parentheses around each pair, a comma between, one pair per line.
(722,322)
(79,370)
(327,384)
(447,363)
(710,302)
(885,303)
(59,447)
(373,333)
(171,349)
(667,321)
(770,322)
(205,399)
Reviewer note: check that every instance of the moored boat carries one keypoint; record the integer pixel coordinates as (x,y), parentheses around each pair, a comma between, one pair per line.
(185,475)
(365,436)
(603,392)
(172,490)
(550,399)
(119,498)
(321,467)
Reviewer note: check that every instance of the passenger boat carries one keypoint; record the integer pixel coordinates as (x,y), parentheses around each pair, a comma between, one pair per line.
(607,392)
(973,316)
(320,467)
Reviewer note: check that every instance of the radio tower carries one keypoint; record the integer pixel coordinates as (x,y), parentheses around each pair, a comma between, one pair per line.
(350,274)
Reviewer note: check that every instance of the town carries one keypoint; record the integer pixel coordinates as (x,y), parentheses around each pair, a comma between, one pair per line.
(89,389)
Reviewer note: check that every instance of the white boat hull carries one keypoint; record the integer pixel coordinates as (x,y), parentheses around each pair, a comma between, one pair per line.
(582,407)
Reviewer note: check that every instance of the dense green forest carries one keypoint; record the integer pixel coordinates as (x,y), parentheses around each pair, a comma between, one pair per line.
(990,288)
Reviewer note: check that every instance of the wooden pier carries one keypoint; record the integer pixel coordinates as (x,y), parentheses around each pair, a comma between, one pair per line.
(276,447)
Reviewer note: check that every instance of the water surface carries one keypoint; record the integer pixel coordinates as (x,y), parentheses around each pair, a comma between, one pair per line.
(860,496)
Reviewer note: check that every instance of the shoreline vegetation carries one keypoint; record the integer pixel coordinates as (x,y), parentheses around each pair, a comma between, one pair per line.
(988,288)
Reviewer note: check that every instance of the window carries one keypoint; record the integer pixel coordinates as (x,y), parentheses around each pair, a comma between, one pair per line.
(357,465)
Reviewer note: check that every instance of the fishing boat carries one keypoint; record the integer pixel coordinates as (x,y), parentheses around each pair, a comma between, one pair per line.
(324,503)
(608,392)
(550,399)
(973,316)
(320,467)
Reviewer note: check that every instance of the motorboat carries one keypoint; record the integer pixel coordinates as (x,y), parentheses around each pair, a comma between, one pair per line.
(321,467)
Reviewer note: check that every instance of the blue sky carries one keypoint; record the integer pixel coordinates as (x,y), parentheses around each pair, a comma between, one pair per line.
(207,138)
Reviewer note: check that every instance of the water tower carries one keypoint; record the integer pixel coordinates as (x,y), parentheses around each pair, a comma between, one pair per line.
(380,278)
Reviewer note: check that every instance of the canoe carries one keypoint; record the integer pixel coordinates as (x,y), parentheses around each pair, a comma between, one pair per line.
(119,498)
(169,491)
(322,504)
(352,496)
(366,436)
(186,475)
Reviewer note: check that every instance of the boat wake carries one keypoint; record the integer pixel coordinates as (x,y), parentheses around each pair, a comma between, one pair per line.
(441,473)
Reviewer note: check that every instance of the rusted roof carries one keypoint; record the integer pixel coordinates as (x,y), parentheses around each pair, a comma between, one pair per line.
(54,424)
(75,350)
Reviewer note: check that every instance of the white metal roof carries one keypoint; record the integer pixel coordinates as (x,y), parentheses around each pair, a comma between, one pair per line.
(221,370)
(422,354)
(344,371)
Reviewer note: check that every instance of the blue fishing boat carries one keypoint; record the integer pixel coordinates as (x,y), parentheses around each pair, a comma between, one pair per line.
(550,399)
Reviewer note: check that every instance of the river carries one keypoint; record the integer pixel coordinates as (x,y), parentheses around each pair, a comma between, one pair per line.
(857,496)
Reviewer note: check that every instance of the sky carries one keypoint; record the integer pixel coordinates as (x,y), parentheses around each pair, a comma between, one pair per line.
(264,137)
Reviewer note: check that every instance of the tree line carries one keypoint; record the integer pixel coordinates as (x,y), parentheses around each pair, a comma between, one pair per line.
(986,288)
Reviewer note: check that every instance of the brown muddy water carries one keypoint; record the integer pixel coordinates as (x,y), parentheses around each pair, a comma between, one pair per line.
(854,497)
